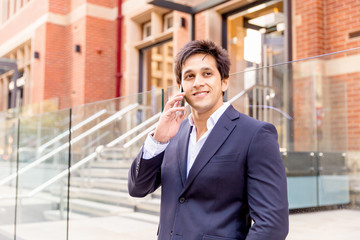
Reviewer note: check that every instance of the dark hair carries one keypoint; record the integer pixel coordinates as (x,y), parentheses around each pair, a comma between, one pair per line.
(207,47)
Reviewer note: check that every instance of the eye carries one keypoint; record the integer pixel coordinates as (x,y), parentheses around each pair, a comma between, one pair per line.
(188,76)
(207,74)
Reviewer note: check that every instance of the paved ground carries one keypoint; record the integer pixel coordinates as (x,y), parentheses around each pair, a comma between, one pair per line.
(326,225)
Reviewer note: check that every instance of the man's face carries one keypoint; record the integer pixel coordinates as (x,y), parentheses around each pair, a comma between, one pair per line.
(202,83)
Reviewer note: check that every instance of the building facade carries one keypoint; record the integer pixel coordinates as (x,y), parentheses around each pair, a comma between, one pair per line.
(66,53)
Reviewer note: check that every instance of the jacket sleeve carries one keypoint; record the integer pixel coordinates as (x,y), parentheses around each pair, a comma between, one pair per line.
(266,186)
(144,175)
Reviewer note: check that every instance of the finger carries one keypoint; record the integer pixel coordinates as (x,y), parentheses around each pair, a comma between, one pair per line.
(172,101)
(180,117)
(179,94)
(174,110)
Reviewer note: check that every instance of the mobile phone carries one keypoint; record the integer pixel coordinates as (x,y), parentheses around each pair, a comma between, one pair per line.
(182,102)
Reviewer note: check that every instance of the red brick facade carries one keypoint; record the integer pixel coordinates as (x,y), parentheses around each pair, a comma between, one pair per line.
(74,78)
(323,26)
(60,72)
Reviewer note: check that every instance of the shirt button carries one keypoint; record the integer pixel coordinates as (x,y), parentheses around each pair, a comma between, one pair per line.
(181,200)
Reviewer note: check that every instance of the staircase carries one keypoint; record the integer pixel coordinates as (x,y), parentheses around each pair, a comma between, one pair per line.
(100,189)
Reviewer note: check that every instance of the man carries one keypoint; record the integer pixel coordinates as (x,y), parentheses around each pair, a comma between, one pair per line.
(218,169)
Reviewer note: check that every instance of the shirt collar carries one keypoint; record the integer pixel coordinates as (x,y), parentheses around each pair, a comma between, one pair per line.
(213,118)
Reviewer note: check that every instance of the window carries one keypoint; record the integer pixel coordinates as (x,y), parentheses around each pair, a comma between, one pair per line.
(168,21)
(170,82)
(157,68)
(146,30)
(170,51)
(169,67)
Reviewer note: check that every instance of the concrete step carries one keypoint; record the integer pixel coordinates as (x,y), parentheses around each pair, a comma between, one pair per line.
(100,183)
(55,215)
(122,164)
(105,173)
(142,217)
(96,208)
(156,194)
(103,196)
(151,206)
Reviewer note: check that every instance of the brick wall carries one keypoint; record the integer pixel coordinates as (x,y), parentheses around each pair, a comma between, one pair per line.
(59,7)
(304,115)
(309,28)
(323,26)
(200,25)
(327,114)
(100,60)
(38,65)
(182,34)
(353,108)
(341,18)
(56,79)
(105,3)
(28,15)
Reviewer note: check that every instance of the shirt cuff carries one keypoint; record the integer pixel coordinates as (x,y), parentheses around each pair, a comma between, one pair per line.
(152,147)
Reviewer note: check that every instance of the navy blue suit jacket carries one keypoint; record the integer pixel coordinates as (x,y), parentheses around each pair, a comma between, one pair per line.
(238,176)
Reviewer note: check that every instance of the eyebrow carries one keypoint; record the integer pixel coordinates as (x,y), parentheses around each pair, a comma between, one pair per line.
(201,69)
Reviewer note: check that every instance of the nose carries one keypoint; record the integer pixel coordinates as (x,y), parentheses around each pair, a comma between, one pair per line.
(199,81)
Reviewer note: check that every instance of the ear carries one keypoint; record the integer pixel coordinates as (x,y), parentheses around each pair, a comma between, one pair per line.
(224,84)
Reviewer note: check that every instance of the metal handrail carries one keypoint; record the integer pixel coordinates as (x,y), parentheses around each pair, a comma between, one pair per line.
(243,92)
(119,139)
(236,97)
(88,158)
(65,145)
(73,129)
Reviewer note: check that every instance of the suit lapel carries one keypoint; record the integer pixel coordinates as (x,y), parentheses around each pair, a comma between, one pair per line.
(217,137)
(183,144)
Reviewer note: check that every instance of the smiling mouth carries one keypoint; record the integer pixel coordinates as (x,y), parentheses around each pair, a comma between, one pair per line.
(201,93)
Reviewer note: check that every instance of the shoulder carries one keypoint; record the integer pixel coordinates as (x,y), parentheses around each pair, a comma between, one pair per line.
(246,123)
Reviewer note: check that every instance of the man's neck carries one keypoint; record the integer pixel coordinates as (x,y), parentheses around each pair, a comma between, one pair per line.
(200,121)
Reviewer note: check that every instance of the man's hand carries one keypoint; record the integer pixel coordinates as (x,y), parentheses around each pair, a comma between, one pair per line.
(170,119)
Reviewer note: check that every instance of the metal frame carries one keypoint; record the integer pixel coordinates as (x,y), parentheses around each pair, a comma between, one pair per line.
(187,9)
(287,46)
(141,62)
(184,8)
(5,66)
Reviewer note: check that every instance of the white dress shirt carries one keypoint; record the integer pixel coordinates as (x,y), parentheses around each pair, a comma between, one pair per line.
(153,148)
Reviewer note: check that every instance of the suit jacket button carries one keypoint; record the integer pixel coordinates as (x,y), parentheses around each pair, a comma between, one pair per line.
(181,200)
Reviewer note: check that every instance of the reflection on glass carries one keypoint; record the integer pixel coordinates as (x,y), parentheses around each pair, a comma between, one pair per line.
(102,152)
(157,67)
(43,176)
(8,164)
(312,107)
(313,104)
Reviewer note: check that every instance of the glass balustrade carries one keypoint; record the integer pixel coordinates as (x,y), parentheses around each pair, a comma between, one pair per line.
(43,161)
(101,154)
(313,104)
(8,167)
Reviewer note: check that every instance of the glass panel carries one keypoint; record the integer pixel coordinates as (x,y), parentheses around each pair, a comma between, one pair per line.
(102,152)
(8,165)
(43,176)
(313,104)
